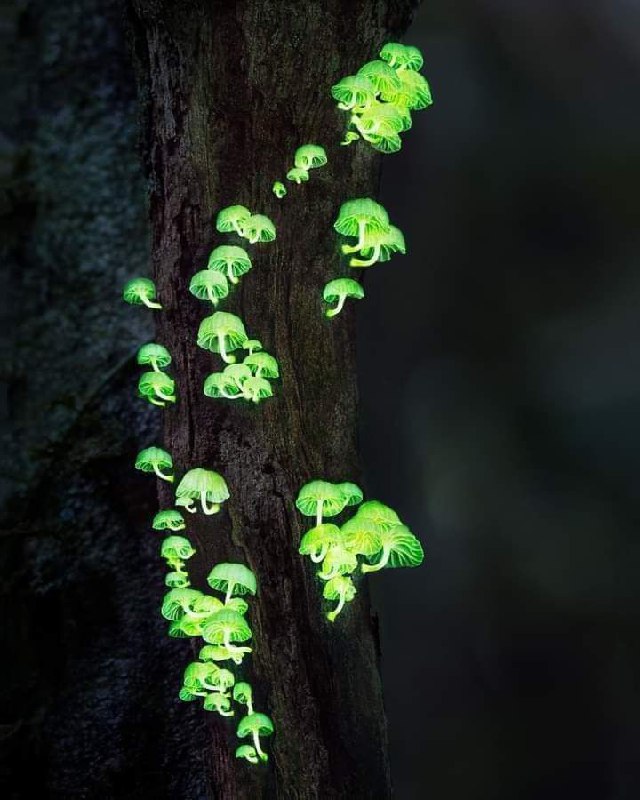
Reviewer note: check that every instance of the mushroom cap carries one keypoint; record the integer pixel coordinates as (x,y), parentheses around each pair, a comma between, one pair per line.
(338,586)
(185,626)
(320,536)
(223,679)
(152,457)
(242,693)
(380,74)
(151,382)
(168,518)
(390,240)
(259,224)
(176,547)
(216,384)
(237,374)
(352,492)
(298,174)
(267,364)
(310,156)
(241,577)
(402,55)
(229,257)
(328,494)
(207,281)
(176,580)
(198,672)
(361,209)
(206,604)
(383,516)
(340,559)
(199,480)
(255,723)
(413,91)
(390,143)
(361,536)
(384,119)
(279,189)
(247,751)
(342,287)
(176,602)
(224,622)
(258,387)
(216,701)
(253,344)
(154,353)
(227,216)
(221,324)
(405,548)
(137,288)
(353,90)
(214,652)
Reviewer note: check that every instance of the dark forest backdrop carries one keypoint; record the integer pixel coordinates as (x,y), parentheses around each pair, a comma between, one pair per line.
(499,402)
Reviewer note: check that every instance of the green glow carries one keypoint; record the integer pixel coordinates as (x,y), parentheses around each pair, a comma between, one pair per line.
(360,217)
(209,285)
(229,260)
(256,725)
(340,588)
(170,519)
(338,290)
(232,579)
(279,189)
(262,365)
(338,561)
(157,387)
(140,291)
(178,603)
(218,384)
(380,246)
(175,550)
(231,219)
(259,228)
(199,676)
(252,345)
(222,333)
(298,175)
(154,459)
(226,627)
(219,702)
(380,74)
(177,580)
(361,536)
(354,91)
(256,389)
(413,91)
(185,627)
(154,355)
(400,548)
(320,498)
(237,374)
(310,156)
(217,652)
(381,119)
(242,693)
(401,56)
(248,752)
(351,492)
(350,136)
(204,485)
(383,516)
(316,542)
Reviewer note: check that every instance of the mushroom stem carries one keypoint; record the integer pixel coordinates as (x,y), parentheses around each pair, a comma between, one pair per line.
(148,303)
(155,402)
(161,475)
(232,648)
(208,509)
(256,744)
(228,359)
(326,576)
(386,552)
(230,396)
(333,614)
(225,713)
(227,597)
(362,229)
(237,228)
(230,275)
(319,512)
(356,262)
(212,296)
(168,398)
(154,365)
(332,312)
(319,556)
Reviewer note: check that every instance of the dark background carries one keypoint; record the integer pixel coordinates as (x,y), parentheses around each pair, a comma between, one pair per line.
(499,394)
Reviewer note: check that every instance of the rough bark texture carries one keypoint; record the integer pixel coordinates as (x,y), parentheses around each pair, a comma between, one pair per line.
(230,89)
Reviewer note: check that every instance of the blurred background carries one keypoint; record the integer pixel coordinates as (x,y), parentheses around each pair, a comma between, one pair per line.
(499,392)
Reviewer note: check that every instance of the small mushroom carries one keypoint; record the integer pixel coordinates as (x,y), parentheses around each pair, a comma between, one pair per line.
(139,292)
(320,498)
(231,261)
(353,91)
(359,218)
(279,189)
(175,550)
(219,384)
(252,345)
(154,355)
(222,333)
(243,693)
(310,156)
(380,246)
(340,588)
(157,387)
(179,602)
(256,725)
(316,542)
(400,548)
(413,91)
(247,752)
(226,627)
(338,290)
(338,561)
(262,365)
(381,75)
(177,580)
(298,175)
(209,285)
(401,56)
(259,228)
(217,652)
(383,516)
(155,459)
(168,519)
(216,701)
(257,389)
(231,219)
(232,579)
(205,485)
(361,536)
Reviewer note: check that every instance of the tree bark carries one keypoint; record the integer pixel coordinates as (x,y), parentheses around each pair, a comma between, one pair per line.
(229,91)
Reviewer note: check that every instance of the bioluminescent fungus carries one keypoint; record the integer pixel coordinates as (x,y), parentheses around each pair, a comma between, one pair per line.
(252,345)
(338,291)
(381,119)
(247,752)
(320,498)
(217,652)
(231,219)
(310,156)
(402,56)
(298,175)
(169,519)
(383,516)
(237,374)
(154,355)
(200,675)
(209,285)
(243,694)
(185,627)
(157,387)
(351,492)
(262,365)
(361,536)
(205,486)
(413,91)
(175,550)
(316,542)
(154,459)
(349,137)
(178,602)
(339,588)
(354,91)
(216,701)
(226,627)
(232,579)
(380,246)
(177,580)
(259,228)
(256,725)
(256,389)
(222,333)
(360,217)
(218,384)
(229,260)
(380,75)
(279,189)
(400,548)
(140,292)
(338,561)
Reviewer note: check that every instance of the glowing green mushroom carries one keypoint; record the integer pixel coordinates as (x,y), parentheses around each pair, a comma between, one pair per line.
(380,74)
(177,580)
(200,675)
(380,246)
(298,175)
(243,694)
(232,579)
(229,260)
(232,219)
(154,459)
(382,119)
(252,345)
(180,602)
(338,561)
(262,365)
(354,91)
(256,725)
(388,143)
(247,752)
(157,387)
(320,498)
(310,156)
(401,56)
(259,228)
(238,374)
(226,627)
(256,389)
(218,384)
(340,588)
(175,550)
(360,217)
(222,333)
(154,355)
(184,627)
(279,189)
(361,536)
(413,91)
(140,292)
(216,701)
(168,519)
(217,652)
(400,548)
(338,290)
(351,492)
(317,541)
(383,516)
(209,285)
(205,485)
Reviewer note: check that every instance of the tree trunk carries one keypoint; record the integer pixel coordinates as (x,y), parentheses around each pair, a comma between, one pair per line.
(230,89)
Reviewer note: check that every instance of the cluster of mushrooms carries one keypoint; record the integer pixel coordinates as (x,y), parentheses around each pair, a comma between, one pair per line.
(220,622)
(374,533)
(307,157)
(380,97)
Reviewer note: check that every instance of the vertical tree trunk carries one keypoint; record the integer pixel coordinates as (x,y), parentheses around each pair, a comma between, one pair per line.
(230,89)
